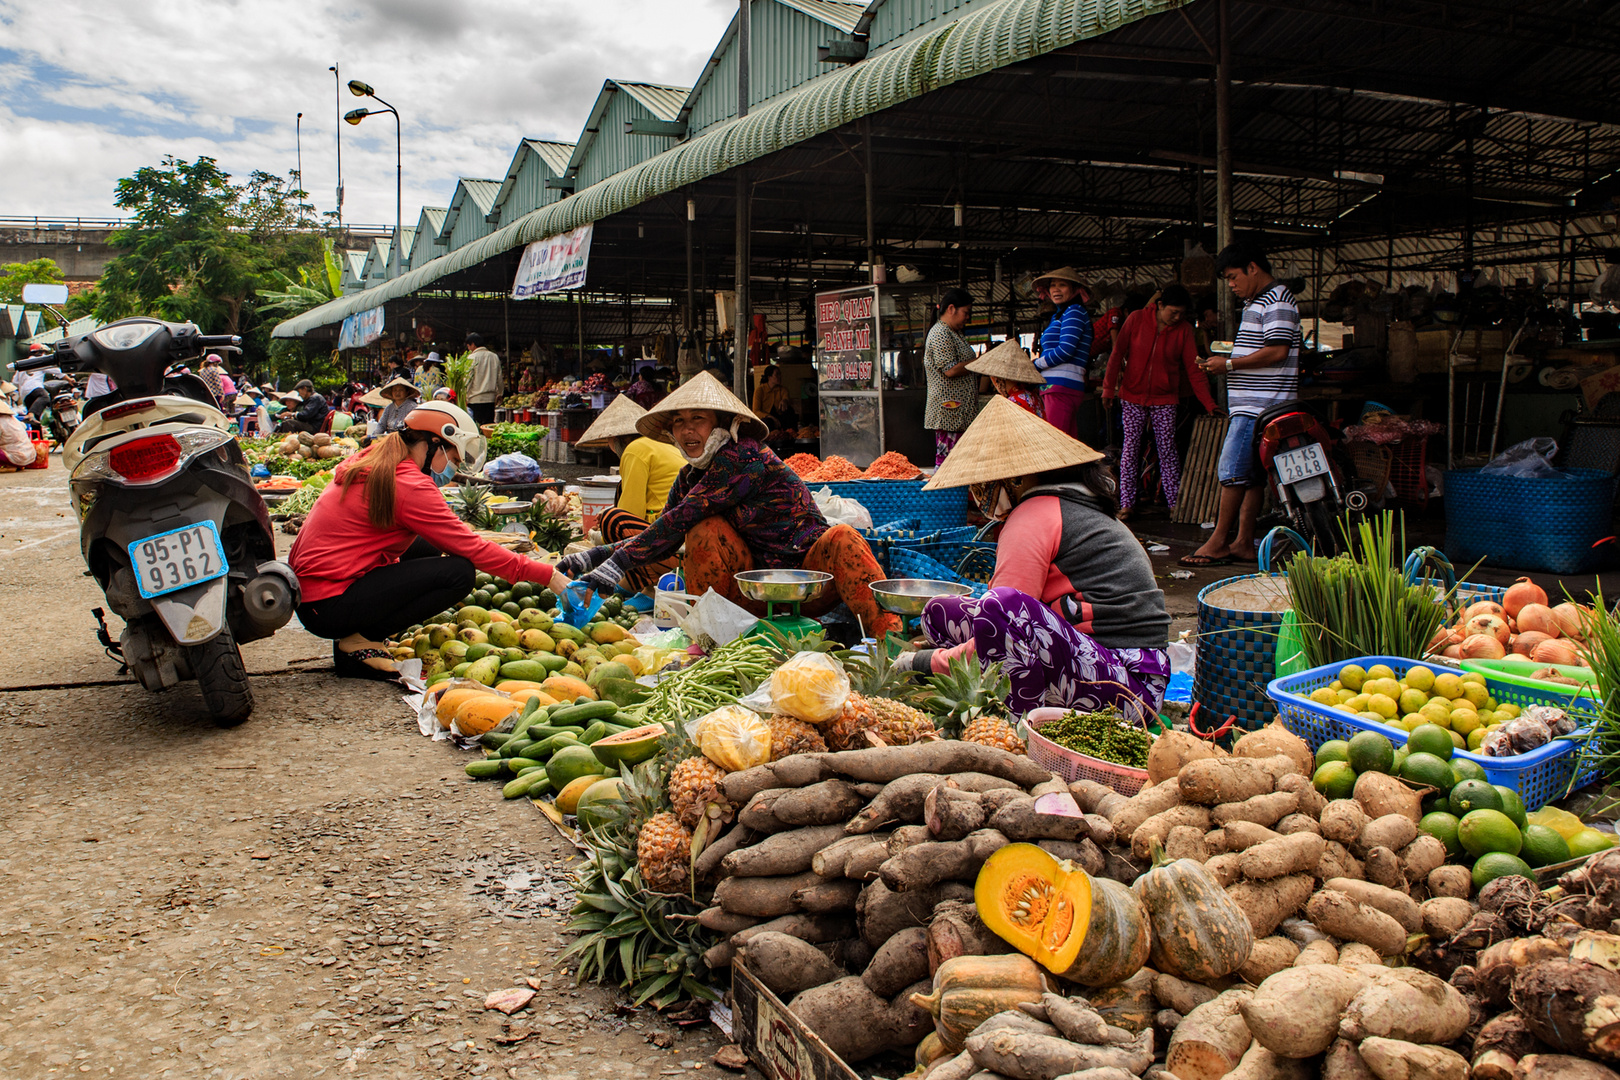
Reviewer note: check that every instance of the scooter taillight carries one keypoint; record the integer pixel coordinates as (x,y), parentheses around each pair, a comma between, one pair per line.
(1285,427)
(146,459)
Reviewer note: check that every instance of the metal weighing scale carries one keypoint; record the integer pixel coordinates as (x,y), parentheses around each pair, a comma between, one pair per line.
(906,598)
(778,588)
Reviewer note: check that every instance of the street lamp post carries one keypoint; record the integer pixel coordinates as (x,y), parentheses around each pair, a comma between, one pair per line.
(298,135)
(360,89)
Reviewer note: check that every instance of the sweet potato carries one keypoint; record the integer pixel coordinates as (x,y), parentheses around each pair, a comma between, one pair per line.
(1264,810)
(1295,854)
(1095,798)
(1353,955)
(951,814)
(1185,842)
(1343,1062)
(1213,781)
(1321,951)
(1076,1021)
(1261,1064)
(1269,956)
(826,803)
(898,962)
(1298,823)
(1100,828)
(1406,1003)
(816,929)
(1563,1067)
(1343,820)
(722,921)
(828,896)
(900,800)
(781,853)
(1396,1059)
(1384,868)
(1172,750)
(854,1022)
(928,864)
(787,965)
(1143,805)
(1296,1012)
(1212,1039)
(1422,857)
(1311,801)
(1381,795)
(1041,1057)
(1018,821)
(880,913)
(1274,739)
(1243,835)
(1393,831)
(960,1067)
(1337,914)
(1180,995)
(1391,902)
(1024,1018)
(1268,903)
(1225,869)
(762,897)
(861,864)
(1337,862)
(831,860)
(886,764)
(912,1023)
(1451,881)
(1157,827)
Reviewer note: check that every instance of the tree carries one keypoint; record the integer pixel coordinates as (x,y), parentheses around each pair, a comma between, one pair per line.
(13,276)
(316,285)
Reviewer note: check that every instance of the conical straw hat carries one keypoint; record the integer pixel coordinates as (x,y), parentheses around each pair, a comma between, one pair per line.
(374,398)
(398,381)
(1007,361)
(618,421)
(1005,441)
(702,391)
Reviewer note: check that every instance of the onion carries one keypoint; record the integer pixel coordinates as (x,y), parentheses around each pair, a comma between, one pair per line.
(1571,619)
(1482,647)
(1554,651)
(1522,592)
(1494,625)
(1525,642)
(1453,652)
(1537,616)
(1482,607)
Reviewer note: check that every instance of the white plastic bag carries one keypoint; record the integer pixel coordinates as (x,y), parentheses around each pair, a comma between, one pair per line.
(716,621)
(732,737)
(841,511)
(811,686)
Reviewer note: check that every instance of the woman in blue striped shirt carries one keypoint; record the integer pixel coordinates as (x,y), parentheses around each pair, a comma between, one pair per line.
(1065,349)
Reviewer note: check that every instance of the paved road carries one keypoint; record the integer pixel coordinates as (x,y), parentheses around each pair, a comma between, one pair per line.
(319,892)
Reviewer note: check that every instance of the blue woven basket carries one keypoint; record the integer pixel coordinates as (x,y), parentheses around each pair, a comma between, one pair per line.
(1237,657)
(972,561)
(887,500)
(910,563)
(883,540)
(1528,524)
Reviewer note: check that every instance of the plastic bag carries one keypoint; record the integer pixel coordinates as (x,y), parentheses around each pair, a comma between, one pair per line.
(513,469)
(811,687)
(732,737)
(1531,458)
(715,621)
(841,511)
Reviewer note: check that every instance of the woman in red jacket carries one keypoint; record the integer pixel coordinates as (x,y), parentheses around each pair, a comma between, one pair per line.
(381,550)
(1154,349)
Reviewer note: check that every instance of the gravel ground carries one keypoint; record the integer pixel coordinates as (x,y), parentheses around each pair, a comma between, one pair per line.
(318,892)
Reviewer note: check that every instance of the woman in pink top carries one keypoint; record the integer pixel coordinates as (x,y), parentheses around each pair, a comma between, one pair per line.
(381,550)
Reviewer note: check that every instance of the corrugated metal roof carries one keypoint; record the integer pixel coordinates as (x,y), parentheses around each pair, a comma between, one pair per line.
(434,216)
(553,157)
(407,241)
(554,154)
(357,262)
(839,14)
(663,102)
(481,192)
(1003,33)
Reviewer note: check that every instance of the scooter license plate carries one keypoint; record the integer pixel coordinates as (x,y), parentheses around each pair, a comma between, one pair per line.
(178,559)
(1301,464)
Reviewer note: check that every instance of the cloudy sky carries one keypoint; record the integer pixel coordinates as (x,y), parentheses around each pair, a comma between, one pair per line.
(91,90)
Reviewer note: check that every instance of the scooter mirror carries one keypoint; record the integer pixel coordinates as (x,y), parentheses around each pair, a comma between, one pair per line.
(45,294)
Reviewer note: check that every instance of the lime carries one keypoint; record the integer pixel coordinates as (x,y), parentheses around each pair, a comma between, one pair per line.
(1370,752)
(1476,795)
(1436,803)
(1380,671)
(1325,695)
(1543,847)
(1443,827)
(1476,737)
(1465,723)
(1457,741)
(1589,842)
(1419,677)
(1512,805)
(1401,754)
(1332,750)
(1388,687)
(1351,676)
(1335,780)
(1473,678)
(522,589)
(1431,739)
(1413,700)
(1507,712)
(1383,705)
(1467,770)
(1476,694)
(1427,770)
(1499,864)
(1447,685)
(1482,831)
(481,579)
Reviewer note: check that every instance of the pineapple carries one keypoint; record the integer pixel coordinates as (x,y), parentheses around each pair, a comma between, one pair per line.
(790,736)
(664,853)
(993,731)
(877,712)
(967,692)
(470,503)
(694,787)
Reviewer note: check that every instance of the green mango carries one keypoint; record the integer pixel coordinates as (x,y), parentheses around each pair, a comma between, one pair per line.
(486,671)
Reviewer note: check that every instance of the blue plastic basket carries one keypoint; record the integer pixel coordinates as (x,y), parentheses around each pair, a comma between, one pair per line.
(888,500)
(910,563)
(883,540)
(972,561)
(1526,523)
(1539,777)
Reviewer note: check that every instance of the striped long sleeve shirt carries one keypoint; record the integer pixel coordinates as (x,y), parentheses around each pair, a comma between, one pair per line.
(1066,347)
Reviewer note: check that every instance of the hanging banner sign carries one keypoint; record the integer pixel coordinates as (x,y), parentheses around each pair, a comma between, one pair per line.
(846,339)
(361,329)
(553,264)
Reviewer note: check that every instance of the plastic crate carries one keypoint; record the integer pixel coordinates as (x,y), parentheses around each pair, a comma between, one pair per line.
(1408,470)
(1539,777)
(887,500)
(1528,524)
(910,563)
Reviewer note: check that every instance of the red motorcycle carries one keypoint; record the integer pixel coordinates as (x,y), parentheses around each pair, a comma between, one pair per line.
(1295,449)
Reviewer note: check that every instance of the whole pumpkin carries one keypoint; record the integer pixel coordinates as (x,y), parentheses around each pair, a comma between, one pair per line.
(1199,932)
(968,990)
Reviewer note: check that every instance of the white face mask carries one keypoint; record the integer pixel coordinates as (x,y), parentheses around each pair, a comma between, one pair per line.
(717,438)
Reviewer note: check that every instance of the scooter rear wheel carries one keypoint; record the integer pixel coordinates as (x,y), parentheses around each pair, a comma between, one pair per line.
(223,680)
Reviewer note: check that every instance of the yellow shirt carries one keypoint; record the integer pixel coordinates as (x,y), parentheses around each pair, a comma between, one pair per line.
(648,470)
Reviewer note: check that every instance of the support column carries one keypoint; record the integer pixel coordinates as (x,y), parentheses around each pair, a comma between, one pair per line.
(691,290)
(739,378)
(1223,153)
(871,201)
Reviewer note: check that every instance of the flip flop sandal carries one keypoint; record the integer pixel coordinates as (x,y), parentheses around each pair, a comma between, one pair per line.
(1196,561)
(352,665)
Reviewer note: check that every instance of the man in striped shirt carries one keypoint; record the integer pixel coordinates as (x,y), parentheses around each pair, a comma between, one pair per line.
(1262,371)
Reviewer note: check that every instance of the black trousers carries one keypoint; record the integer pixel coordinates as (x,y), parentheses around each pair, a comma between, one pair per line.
(483,413)
(379,605)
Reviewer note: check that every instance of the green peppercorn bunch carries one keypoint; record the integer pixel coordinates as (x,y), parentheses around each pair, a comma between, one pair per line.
(1104,734)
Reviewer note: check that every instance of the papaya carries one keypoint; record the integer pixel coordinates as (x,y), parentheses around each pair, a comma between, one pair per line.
(506,686)
(528,671)
(568,798)
(608,670)
(629,748)
(565,687)
(533,694)
(483,713)
(602,791)
(451,700)
(569,763)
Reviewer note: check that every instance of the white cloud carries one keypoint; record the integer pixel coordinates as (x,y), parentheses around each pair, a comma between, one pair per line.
(226,78)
